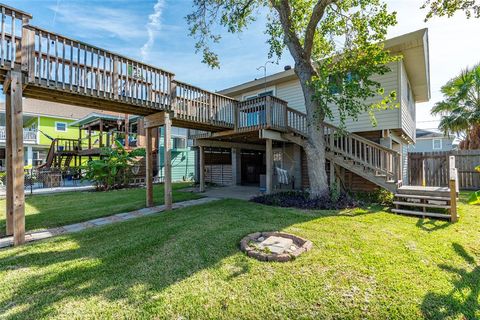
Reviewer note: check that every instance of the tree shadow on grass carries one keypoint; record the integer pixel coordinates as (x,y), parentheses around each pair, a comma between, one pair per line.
(432,224)
(152,253)
(463,300)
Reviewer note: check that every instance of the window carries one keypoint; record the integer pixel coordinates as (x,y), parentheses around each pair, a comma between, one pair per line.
(61,126)
(266,93)
(437,144)
(269,91)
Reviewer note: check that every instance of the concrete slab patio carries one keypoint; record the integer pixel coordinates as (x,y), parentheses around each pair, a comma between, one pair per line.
(233,192)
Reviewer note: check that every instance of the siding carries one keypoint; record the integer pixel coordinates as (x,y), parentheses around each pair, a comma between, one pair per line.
(47,125)
(407,105)
(291,92)
(426,145)
(183,162)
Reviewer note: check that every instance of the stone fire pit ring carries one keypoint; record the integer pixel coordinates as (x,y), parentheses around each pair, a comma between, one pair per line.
(274,246)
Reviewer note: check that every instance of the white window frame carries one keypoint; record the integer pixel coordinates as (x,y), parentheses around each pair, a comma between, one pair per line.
(61,122)
(255,94)
(433,144)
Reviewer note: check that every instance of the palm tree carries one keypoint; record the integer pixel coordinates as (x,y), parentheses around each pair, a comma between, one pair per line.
(460,110)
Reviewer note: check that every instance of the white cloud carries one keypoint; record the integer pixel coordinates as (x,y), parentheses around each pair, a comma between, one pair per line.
(153,26)
(114,22)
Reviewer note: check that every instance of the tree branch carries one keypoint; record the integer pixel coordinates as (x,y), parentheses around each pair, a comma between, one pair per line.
(317,14)
(291,39)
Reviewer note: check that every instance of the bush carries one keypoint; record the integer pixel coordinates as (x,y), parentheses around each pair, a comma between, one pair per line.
(380,196)
(302,200)
(111,171)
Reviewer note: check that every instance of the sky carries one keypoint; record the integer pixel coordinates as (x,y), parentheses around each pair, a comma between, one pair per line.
(155,31)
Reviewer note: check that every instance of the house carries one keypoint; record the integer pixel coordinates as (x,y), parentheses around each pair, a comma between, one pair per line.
(245,163)
(44,121)
(432,141)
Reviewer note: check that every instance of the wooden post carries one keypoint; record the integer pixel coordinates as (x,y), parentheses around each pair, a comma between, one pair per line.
(89,137)
(127,128)
(268,111)
(269,165)
(453,200)
(167,161)
(140,132)
(9,167)
(100,138)
(201,155)
(149,167)
(332,174)
(15,180)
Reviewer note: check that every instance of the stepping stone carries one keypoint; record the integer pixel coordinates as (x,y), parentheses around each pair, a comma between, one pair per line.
(276,245)
(74,227)
(100,221)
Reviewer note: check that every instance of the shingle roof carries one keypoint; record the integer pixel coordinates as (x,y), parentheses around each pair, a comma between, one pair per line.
(422,133)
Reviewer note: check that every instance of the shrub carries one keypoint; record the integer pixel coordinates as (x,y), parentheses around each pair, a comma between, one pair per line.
(380,196)
(111,171)
(302,200)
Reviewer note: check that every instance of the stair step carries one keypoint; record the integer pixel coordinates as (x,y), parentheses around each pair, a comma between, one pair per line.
(421,213)
(417,204)
(401,195)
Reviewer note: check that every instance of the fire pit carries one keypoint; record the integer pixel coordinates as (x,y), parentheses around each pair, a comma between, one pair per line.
(274,246)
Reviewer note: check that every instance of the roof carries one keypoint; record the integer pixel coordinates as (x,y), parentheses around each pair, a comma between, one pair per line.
(54,109)
(412,46)
(427,134)
(96,116)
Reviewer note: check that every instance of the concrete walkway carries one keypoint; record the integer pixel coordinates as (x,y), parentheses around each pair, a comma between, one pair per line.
(119,217)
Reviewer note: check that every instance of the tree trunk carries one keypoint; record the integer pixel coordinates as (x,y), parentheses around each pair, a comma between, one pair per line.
(315,144)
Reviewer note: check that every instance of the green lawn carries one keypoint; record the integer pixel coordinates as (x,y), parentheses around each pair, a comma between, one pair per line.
(186,264)
(52,210)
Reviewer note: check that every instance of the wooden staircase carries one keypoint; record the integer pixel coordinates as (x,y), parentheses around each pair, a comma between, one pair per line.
(369,160)
(433,202)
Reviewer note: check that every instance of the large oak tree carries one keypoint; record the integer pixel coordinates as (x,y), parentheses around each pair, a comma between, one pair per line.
(337,46)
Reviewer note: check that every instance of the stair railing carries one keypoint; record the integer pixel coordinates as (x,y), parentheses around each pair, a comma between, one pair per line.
(378,159)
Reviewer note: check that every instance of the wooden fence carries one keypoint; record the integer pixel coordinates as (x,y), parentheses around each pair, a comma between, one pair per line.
(432,168)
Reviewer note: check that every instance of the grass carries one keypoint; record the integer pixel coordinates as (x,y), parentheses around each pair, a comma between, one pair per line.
(45,211)
(185,264)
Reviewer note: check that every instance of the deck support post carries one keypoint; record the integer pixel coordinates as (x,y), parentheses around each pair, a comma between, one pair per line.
(236,166)
(332,174)
(14,147)
(269,166)
(453,200)
(201,155)
(167,160)
(149,167)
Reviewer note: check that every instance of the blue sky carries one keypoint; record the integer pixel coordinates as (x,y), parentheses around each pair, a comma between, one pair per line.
(155,31)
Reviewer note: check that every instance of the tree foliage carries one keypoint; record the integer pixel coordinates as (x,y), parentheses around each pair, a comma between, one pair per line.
(448,8)
(460,109)
(113,169)
(332,37)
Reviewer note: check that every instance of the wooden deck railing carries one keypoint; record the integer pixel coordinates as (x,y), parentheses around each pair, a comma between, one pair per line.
(375,157)
(194,104)
(52,60)
(11,26)
(261,113)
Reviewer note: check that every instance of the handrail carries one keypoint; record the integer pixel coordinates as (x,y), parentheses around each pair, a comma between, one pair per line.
(83,44)
(52,60)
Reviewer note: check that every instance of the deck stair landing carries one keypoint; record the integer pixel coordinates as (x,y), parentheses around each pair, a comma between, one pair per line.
(433,202)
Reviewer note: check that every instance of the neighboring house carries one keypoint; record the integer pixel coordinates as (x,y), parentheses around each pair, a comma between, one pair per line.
(409,77)
(431,141)
(42,121)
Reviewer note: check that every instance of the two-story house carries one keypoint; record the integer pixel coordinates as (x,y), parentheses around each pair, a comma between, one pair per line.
(44,121)
(432,141)
(395,129)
